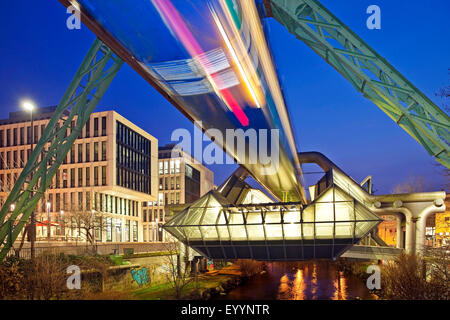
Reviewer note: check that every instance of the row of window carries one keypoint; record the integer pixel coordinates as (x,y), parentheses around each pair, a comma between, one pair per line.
(80,177)
(149,215)
(171,183)
(115,205)
(132,139)
(168,198)
(153,233)
(132,180)
(191,184)
(14,159)
(7,181)
(130,159)
(64,178)
(113,229)
(118,231)
(86,132)
(81,152)
(78,201)
(169,167)
(22,135)
(133,160)
(170,154)
(65,202)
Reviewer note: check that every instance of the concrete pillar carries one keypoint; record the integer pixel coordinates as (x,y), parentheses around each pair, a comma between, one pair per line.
(437,206)
(399,232)
(410,235)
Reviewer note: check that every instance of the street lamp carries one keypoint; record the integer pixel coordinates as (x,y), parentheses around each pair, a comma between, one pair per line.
(29,106)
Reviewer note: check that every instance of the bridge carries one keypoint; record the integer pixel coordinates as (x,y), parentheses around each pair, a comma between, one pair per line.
(237,221)
(210,59)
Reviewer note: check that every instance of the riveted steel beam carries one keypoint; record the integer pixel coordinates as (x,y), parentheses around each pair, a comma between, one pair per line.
(367,71)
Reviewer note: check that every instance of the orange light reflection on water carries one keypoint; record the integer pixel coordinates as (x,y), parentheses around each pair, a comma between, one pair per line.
(340,285)
(299,286)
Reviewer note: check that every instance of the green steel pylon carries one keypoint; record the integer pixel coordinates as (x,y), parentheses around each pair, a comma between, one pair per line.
(88,86)
(367,71)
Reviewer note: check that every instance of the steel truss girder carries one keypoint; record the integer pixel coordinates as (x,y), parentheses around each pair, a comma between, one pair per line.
(88,86)
(367,71)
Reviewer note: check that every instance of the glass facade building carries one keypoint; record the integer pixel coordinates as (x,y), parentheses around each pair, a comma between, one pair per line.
(133,159)
(192,184)
(86,181)
(325,228)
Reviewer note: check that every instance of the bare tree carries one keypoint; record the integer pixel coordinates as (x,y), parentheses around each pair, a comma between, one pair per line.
(86,222)
(413,184)
(446,173)
(177,273)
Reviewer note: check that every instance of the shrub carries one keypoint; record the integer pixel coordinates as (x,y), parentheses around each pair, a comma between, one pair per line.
(412,277)
(249,267)
(45,277)
(11,279)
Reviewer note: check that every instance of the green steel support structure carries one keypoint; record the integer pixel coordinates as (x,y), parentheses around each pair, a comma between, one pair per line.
(367,71)
(85,91)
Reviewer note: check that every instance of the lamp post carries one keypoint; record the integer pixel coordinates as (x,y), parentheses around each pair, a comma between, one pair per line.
(29,106)
(10,226)
(48,222)
(93,226)
(156,230)
(63,225)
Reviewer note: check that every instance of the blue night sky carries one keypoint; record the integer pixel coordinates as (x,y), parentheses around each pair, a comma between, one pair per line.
(39,57)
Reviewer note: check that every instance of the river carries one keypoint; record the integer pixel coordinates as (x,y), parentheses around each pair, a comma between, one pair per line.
(319,280)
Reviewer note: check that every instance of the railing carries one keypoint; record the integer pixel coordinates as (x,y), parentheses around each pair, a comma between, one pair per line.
(100,248)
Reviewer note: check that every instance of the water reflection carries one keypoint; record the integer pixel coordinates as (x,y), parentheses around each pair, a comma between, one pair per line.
(315,280)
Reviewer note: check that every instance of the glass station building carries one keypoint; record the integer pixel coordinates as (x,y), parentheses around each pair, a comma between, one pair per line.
(325,228)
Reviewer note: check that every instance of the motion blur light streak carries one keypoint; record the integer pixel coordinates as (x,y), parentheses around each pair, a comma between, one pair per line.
(235,57)
(176,24)
(250,12)
(211,60)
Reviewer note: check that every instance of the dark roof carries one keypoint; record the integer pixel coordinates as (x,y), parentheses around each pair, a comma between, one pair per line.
(24,116)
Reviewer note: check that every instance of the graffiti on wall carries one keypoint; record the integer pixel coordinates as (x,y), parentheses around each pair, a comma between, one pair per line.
(140,276)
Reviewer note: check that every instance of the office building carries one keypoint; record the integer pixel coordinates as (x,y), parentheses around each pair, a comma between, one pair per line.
(182,180)
(110,171)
